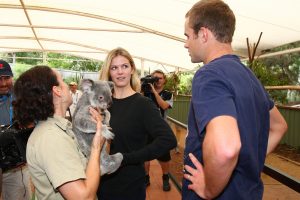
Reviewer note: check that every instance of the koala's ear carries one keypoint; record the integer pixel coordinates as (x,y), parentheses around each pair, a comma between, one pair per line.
(87,85)
(111,84)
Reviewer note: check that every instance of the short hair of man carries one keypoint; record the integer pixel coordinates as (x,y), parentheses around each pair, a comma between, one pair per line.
(33,95)
(104,73)
(158,71)
(214,15)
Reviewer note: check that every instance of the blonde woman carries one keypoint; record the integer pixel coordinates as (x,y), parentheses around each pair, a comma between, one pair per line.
(133,119)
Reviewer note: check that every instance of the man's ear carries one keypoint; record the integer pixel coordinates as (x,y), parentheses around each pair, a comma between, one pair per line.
(203,34)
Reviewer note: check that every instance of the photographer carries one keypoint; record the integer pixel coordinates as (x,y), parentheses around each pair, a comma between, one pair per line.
(15,180)
(163,99)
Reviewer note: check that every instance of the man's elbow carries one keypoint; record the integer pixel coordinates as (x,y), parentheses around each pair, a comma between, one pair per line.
(281,127)
(165,106)
(230,154)
(234,153)
(284,127)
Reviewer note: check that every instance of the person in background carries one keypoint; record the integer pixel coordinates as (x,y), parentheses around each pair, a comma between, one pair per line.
(58,168)
(15,180)
(133,119)
(75,94)
(232,123)
(163,99)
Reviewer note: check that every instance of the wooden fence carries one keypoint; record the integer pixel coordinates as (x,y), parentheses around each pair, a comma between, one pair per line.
(181,105)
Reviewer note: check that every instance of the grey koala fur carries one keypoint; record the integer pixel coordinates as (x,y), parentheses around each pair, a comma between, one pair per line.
(98,95)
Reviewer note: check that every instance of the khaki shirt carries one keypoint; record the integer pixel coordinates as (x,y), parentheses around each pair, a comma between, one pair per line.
(54,157)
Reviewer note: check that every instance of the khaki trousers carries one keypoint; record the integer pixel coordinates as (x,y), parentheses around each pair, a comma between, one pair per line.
(16,184)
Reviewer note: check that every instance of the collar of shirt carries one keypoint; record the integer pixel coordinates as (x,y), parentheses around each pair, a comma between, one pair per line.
(64,124)
(4,97)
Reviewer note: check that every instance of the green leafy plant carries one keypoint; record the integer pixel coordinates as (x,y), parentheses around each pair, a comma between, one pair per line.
(172,83)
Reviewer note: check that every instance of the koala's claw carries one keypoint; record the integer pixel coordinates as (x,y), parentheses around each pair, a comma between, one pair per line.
(106,133)
(111,163)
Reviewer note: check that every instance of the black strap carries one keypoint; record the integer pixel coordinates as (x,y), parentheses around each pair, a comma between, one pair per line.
(69,111)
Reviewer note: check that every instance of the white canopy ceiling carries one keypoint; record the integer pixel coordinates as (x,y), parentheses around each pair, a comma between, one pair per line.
(152,31)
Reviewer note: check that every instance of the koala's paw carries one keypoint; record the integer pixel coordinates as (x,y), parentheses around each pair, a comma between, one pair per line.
(106,133)
(112,163)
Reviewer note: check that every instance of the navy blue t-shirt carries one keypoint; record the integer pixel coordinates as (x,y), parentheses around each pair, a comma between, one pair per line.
(226,87)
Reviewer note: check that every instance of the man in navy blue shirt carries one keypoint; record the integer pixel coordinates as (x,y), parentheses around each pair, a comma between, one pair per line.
(232,123)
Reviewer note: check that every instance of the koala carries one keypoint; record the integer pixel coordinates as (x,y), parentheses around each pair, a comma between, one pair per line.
(98,95)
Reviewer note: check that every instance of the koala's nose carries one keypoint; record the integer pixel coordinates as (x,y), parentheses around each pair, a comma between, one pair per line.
(101,98)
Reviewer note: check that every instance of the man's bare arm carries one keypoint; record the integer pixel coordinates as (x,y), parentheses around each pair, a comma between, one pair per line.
(221,147)
(278,127)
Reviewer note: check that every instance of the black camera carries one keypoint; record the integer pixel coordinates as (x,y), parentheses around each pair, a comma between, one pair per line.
(13,143)
(146,88)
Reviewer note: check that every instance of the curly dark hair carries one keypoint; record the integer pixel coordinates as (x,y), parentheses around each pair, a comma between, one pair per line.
(33,95)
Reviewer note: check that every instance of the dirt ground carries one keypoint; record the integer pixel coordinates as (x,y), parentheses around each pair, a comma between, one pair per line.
(285,159)
(288,152)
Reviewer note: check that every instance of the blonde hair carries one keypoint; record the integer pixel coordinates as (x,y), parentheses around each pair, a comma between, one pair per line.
(104,72)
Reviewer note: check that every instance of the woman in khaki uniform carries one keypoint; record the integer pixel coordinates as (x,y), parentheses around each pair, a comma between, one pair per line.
(58,168)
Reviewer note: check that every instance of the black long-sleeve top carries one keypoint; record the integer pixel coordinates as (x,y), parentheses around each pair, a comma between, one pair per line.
(133,119)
